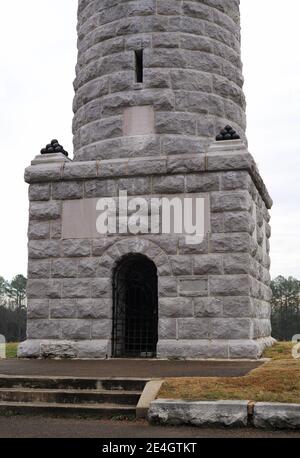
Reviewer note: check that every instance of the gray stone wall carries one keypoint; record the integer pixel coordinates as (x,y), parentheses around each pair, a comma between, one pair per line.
(213,298)
(192,75)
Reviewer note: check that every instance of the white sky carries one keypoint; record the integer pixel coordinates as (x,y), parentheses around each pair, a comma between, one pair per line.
(37,61)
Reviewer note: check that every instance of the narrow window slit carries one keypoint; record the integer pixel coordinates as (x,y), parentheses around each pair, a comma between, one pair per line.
(139,65)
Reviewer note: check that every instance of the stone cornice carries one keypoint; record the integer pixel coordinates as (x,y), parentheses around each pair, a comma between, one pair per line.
(221,156)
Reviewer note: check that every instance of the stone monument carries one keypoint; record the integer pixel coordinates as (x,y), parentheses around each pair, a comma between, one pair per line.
(159,111)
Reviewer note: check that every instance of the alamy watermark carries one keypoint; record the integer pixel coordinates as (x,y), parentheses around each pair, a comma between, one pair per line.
(296,347)
(181,214)
(2,347)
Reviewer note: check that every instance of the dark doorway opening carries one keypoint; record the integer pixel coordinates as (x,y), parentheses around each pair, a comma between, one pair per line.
(135,314)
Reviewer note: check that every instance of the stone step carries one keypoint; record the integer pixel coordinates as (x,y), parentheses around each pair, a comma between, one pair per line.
(69,396)
(70,383)
(67,410)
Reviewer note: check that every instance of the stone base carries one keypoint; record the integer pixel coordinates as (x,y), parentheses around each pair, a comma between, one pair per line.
(66,349)
(167,349)
(213,349)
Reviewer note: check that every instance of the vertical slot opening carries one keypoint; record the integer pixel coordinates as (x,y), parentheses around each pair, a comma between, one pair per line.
(139,66)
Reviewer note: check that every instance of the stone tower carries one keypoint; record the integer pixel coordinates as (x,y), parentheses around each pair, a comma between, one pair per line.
(156,83)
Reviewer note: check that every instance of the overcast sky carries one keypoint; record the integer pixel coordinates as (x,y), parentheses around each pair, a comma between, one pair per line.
(37,61)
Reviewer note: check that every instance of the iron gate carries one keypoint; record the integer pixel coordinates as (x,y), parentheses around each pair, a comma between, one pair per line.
(135,316)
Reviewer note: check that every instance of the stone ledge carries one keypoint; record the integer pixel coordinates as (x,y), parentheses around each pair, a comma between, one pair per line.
(201,413)
(220,157)
(261,415)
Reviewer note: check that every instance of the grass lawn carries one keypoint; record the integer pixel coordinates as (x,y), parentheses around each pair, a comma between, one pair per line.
(11,350)
(275,381)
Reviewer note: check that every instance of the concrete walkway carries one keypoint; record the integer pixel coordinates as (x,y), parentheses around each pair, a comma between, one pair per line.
(40,427)
(127,368)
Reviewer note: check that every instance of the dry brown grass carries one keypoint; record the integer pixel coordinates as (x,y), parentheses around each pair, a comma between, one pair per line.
(275,381)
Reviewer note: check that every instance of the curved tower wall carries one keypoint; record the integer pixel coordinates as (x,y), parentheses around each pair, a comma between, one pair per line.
(192,77)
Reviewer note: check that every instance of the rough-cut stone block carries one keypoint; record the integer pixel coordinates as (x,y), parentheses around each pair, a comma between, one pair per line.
(181,265)
(43,173)
(208,265)
(76,329)
(229,285)
(232,243)
(39,269)
(192,349)
(102,244)
(67,190)
(87,267)
(29,349)
(134,186)
(39,230)
(238,222)
(238,307)
(175,307)
(236,264)
(92,349)
(163,266)
(43,329)
(37,309)
(40,289)
(167,287)
(193,287)
(188,163)
(200,413)
(101,287)
(76,248)
(45,210)
(193,328)
(203,182)
(76,288)
(94,309)
(100,188)
(237,328)
(43,249)
(235,180)
(64,268)
(51,349)
(63,308)
(227,201)
(187,248)
(56,229)
(208,307)
(80,170)
(39,192)
(101,329)
(276,415)
(168,184)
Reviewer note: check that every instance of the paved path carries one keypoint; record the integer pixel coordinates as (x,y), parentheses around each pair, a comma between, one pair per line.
(127,368)
(40,427)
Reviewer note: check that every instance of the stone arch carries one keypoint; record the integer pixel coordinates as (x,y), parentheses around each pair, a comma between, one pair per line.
(135,245)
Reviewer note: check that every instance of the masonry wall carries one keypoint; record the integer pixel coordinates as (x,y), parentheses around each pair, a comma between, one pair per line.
(192,76)
(213,298)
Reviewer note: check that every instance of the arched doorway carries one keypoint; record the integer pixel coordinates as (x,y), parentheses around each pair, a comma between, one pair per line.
(135,314)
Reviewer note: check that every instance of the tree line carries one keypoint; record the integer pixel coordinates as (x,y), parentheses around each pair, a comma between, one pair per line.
(285,308)
(13,308)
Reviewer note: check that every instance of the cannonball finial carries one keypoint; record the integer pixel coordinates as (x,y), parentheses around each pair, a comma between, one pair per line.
(228,133)
(54,147)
